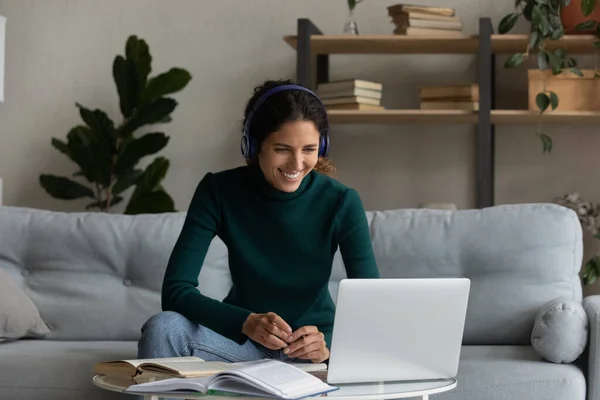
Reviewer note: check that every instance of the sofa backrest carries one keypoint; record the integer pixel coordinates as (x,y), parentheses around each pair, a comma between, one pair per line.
(516,256)
(98,276)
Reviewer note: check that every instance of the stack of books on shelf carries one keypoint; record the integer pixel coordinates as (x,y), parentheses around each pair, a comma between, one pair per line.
(450,97)
(425,20)
(351,94)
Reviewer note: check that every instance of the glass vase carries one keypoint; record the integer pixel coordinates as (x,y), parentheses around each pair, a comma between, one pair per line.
(351,28)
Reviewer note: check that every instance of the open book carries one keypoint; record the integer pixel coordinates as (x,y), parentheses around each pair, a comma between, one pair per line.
(264,378)
(180,367)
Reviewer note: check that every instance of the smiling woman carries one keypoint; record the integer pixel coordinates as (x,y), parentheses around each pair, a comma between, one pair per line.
(282,218)
(294,119)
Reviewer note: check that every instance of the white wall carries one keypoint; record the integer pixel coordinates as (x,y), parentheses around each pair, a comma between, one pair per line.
(60,52)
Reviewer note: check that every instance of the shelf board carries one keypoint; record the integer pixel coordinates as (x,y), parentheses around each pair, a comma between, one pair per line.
(398,44)
(416,116)
(526,117)
(459,117)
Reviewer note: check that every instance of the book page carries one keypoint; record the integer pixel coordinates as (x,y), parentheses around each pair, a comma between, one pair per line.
(172,385)
(163,361)
(190,368)
(282,378)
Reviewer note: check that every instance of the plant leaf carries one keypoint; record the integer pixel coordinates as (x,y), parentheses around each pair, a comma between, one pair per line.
(126,180)
(536,16)
(138,53)
(576,71)
(64,188)
(546,143)
(169,82)
(136,149)
(62,147)
(507,23)
(557,33)
(542,60)
(151,203)
(553,100)
(544,25)
(126,82)
(528,10)
(534,40)
(542,101)
(101,125)
(93,159)
(582,26)
(148,114)
(596,44)
(152,176)
(587,6)
(149,182)
(514,60)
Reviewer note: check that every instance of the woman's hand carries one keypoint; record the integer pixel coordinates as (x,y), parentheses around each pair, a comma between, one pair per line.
(268,329)
(307,343)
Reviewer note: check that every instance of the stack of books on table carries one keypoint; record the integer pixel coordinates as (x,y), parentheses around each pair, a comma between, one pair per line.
(424,20)
(351,94)
(450,97)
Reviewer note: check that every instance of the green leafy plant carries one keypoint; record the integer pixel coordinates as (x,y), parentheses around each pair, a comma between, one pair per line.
(352,4)
(107,155)
(545,24)
(587,213)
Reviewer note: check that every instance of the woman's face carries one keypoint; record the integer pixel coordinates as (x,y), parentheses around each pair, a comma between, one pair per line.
(289,154)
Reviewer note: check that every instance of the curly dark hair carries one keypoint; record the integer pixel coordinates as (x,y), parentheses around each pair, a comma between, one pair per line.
(282,107)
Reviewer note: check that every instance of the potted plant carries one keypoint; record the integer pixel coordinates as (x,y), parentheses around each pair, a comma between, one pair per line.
(107,154)
(350,27)
(546,20)
(587,213)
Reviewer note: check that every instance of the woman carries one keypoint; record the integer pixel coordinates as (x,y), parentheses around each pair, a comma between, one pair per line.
(282,218)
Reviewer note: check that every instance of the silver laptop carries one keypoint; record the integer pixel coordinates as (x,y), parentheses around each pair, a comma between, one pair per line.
(397,329)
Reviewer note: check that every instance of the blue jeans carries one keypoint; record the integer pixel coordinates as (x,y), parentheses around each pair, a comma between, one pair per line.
(170,334)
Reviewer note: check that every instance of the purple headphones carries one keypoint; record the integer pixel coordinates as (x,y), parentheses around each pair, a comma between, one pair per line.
(249,145)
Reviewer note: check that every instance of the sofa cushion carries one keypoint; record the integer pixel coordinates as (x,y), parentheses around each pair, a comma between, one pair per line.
(560,330)
(19,317)
(57,370)
(518,257)
(513,373)
(97,276)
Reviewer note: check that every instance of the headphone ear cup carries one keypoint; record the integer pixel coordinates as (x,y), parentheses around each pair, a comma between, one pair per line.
(251,148)
(244,145)
(324,146)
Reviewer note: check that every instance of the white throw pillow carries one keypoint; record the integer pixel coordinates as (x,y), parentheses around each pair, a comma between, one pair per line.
(19,317)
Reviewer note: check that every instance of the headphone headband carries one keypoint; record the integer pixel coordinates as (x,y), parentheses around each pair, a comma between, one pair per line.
(248,146)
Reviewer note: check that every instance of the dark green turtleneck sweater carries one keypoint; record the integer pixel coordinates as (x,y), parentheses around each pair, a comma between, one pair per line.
(280,247)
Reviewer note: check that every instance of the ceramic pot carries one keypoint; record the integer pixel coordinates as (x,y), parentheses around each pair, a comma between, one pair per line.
(572,15)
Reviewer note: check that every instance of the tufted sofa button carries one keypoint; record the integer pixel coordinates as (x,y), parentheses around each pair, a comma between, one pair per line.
(25,272)
(127,282)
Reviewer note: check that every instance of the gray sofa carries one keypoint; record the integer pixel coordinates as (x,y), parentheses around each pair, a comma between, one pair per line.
(96,278)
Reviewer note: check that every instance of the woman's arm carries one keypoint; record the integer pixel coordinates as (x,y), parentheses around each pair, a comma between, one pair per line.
(354,237)
(179,291)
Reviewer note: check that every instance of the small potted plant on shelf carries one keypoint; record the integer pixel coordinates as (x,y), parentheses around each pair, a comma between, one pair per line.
(550,20)
(350,27)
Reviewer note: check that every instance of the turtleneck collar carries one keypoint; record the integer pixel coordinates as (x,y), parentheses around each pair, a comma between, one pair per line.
(267,190)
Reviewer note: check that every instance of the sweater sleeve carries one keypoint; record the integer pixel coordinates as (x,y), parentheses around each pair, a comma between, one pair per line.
(354,238)
(179,292)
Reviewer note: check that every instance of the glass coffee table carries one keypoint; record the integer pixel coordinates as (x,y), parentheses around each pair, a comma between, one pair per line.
(355,391)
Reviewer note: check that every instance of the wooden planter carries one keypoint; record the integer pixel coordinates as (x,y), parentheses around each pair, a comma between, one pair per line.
(574,93)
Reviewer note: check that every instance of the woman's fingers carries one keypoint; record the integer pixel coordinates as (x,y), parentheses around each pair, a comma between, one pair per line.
(271,341)
(304,350)
(311,342)
(277,321)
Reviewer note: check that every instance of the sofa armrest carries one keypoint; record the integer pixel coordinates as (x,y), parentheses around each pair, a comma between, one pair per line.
(591,305)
